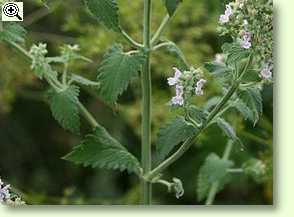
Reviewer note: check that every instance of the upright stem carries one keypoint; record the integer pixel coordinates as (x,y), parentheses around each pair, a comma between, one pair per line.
(215,185)
(146,106)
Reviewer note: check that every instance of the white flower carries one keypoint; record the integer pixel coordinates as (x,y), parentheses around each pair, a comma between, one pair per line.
(224,18)
(178,99)
(179,90)
(245,44)
(228,11)
(199,87)
(174,80)
(246,40)
(266,72)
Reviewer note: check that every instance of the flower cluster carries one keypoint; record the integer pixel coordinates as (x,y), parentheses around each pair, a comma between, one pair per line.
(7,197)
(187,84)
(250,23)
(256,169)
(38,53)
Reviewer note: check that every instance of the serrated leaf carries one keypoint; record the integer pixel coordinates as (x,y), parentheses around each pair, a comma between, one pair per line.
(171,6)
(235,53)
(84,81)
(244,110)
(106,12)
(101,150)
(174,49)
(64,107)
(220,71)
(217,69)
(174,133)
(116,72)
(227,128)
(44,69)
(13,32)
(253,99)
(213,170)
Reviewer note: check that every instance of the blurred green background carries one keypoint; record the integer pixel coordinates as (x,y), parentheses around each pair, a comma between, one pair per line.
(32,143)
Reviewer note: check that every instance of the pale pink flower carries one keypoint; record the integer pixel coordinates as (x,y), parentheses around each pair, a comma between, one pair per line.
(266,72)
(178,99)
(246,40)
(174,80)
(224,18)
(199,87)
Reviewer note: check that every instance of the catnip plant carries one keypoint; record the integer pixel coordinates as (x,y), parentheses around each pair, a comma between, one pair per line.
(243,68)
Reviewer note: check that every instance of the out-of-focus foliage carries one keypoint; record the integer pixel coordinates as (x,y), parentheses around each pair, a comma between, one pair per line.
(33,143)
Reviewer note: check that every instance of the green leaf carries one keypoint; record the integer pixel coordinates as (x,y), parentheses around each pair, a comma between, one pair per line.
(213,170)
(174,133)
(106,12)
(84,81)
(64,107)
(101,150)
(197,114)
(44,69)
(217,69)
(13,32)
(235,53)
(174,49)
(253,100)
(244,110)
(220,71)
(116,72)
(171,6)
(227,128)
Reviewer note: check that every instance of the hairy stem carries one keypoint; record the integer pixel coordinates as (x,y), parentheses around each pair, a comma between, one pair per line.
(160,30)
(88,116)
(164,44)
(130,39)
(214,187)
(190,141)
(146,106)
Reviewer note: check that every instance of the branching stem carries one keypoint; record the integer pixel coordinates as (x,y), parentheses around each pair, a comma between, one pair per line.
(190,141)
(130,40)
(56,84)
(160,30)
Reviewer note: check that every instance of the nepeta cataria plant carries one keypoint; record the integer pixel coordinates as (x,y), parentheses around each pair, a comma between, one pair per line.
(243,68)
